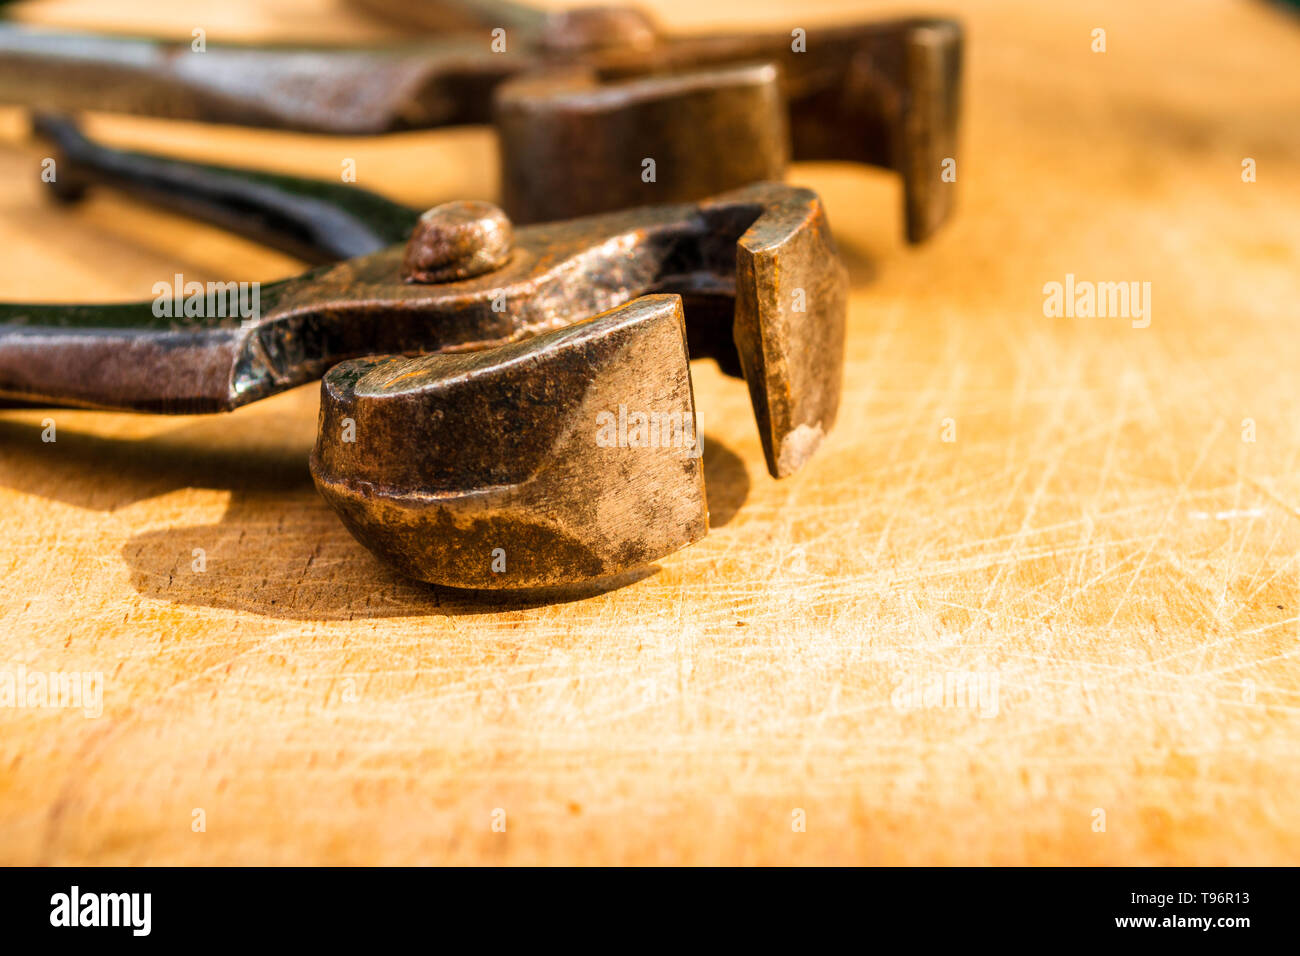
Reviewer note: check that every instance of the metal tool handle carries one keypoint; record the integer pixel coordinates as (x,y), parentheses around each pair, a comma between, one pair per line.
(316,221)
(117,356)
(311,89)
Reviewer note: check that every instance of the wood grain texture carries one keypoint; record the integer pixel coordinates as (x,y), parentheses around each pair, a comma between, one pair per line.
(1098,536)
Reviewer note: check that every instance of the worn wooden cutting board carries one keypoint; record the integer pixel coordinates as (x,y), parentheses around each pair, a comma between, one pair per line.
(1100,547)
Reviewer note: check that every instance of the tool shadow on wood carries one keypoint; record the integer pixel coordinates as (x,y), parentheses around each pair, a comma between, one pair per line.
(862,263)
(278,550)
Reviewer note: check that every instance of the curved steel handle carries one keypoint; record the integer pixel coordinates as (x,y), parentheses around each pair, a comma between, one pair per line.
(315,221)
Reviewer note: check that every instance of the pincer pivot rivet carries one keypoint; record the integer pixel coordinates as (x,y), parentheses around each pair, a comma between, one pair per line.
(458,240)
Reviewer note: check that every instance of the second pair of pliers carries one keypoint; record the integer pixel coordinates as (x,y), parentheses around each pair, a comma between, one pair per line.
(581,100)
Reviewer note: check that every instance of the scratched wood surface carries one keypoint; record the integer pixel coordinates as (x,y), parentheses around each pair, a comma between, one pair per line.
(1100,538)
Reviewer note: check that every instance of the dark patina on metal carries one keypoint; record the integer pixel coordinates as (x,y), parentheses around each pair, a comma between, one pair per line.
(485,469)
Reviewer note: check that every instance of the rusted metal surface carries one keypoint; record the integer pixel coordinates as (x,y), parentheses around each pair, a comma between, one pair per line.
(882,93)
(486,469)
(887,94)
(458,240)
(573,145)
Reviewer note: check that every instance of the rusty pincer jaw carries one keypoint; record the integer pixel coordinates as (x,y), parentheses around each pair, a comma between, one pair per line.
(574,455)
(500,469)
(529,421)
